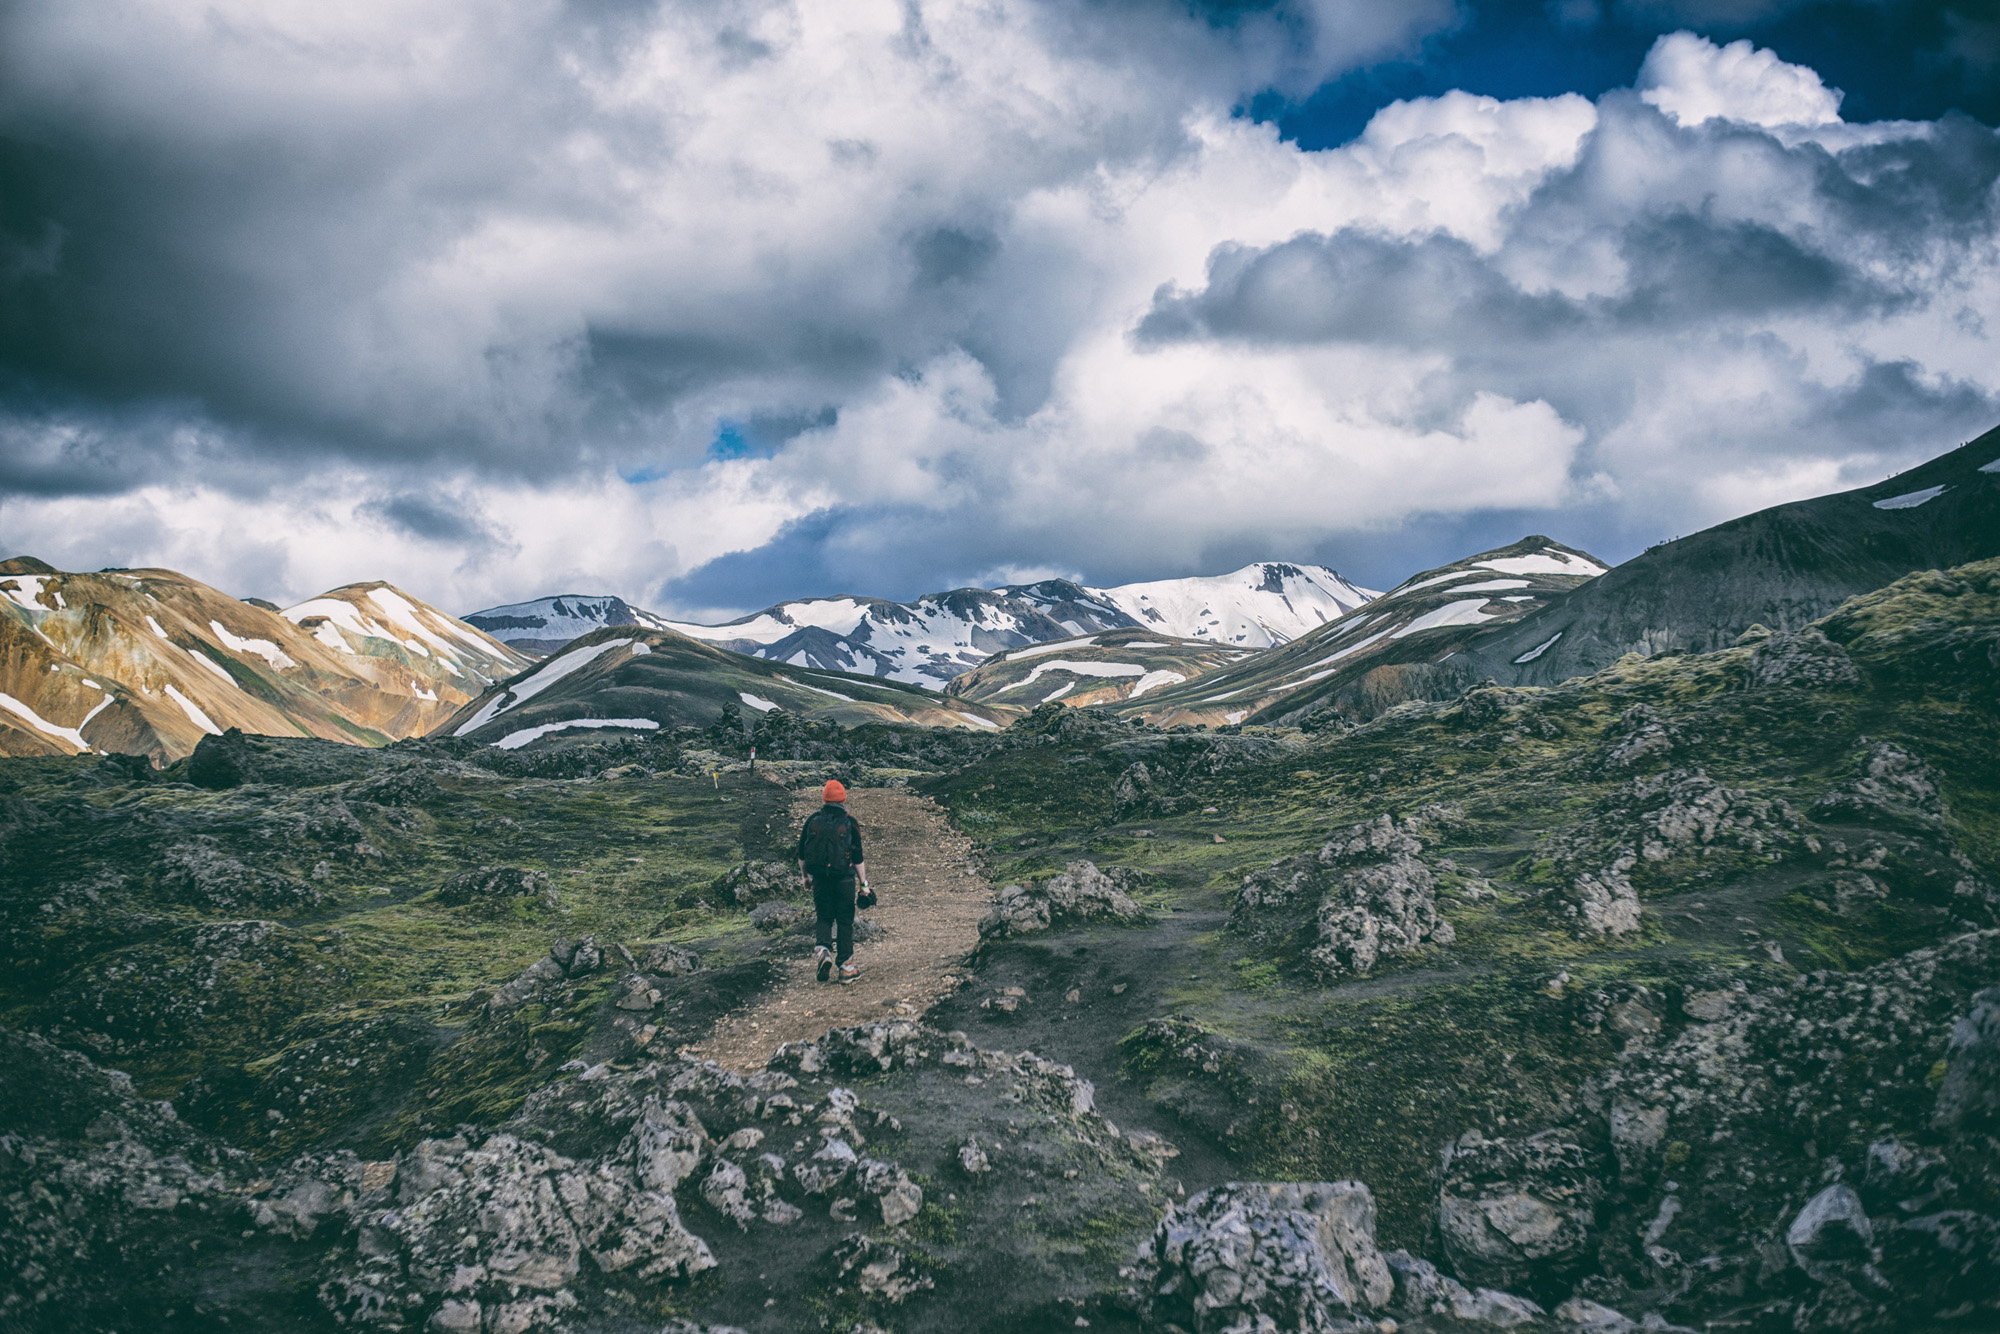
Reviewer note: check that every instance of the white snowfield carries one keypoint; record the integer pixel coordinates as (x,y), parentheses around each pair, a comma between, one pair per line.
(1257,606)
(516,740)
(1154,680)
(1911,499)
(28,591)
(757,702)
(194,713)
(263,648)
(1078,669)
(535,682)
(73,735)
(1546,561)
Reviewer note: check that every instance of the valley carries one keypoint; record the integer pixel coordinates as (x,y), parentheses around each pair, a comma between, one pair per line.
(1660,996)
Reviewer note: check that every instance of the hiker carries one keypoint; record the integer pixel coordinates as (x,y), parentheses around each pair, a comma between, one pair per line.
(830,855)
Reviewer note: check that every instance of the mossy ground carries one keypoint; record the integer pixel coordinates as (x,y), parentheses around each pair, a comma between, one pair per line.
(370,980)
(1278,1075)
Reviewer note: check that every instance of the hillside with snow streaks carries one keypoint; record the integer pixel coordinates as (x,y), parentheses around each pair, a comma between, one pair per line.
(1395,647)
(150,661)
(940,636)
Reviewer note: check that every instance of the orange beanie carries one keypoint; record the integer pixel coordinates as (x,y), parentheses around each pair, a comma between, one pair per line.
(834,791)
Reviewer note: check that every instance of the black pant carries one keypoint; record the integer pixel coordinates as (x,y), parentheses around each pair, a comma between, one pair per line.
(833,900)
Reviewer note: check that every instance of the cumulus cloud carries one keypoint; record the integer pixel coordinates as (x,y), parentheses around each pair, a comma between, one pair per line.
(712,304)
(1693,80)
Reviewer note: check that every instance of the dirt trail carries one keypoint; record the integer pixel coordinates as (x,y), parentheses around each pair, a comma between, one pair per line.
(932,900)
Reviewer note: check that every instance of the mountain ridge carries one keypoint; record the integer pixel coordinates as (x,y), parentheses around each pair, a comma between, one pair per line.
(934,638)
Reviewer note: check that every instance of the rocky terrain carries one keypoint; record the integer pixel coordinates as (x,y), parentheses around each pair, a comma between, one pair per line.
(147,662)
(1661,998)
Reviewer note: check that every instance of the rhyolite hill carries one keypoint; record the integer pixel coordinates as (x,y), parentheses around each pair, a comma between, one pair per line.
(1664,993)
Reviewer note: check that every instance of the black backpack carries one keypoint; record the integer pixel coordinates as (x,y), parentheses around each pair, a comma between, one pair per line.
(827,847)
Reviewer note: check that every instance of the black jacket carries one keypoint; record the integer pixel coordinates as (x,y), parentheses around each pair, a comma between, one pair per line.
(854,854)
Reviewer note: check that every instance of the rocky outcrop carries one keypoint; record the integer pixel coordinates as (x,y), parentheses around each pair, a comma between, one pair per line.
(1805,659)
(1894,787)
(492,885)
(1517,1213)
(754,882)
(1243,1256)
(494,1235)
(1370,891)
(1081,893)
(1650,821)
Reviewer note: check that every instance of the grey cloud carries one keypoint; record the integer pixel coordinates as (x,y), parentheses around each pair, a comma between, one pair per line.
(433,518)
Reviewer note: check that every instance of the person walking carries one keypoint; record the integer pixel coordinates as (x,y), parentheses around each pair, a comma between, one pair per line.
(830,856)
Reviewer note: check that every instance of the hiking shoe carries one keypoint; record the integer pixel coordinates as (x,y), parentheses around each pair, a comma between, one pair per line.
(825,958)
(848,972)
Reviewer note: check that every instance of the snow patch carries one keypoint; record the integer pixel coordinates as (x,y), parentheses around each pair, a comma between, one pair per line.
(263,648)
(1546,561)
(194,713)
(1990,467)
(516,740)
(535,682)
(977,721)
(1236,716)
(1081,669)
(1154,680)
(1466,612)
(1059,646)
(157,630)
(1539,649)
(424,694)
(24,597)
(755,702)
(1490,585)
(1911,499)
(818,690)
(73,735)
(1137,643)
(1059,692)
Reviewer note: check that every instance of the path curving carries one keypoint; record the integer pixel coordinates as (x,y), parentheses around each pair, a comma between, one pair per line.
(932,898)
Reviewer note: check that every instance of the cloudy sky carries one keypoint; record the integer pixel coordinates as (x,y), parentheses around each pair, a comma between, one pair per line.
(715,302)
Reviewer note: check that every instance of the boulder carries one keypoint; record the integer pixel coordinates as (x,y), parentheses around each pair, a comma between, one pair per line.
(1081,893)
(1805,659)
(1516,1213)
(1299,1254)
(1371,893)
(493,885)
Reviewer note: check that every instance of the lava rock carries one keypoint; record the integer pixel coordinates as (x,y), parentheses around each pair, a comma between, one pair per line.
(1081,893)
(1516,1212)
(1244,1254)
(497,884)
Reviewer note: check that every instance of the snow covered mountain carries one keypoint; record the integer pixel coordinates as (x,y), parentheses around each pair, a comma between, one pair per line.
(942,635)
(546,624)
(149,661)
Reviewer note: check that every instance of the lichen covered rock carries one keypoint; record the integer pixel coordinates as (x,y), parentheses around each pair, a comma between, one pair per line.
(1300,1255)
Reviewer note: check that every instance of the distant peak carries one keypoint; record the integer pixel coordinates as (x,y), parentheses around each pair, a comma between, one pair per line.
(27,565)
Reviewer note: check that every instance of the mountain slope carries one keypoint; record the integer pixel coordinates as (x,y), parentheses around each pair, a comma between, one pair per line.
(1107,668)
(942,635)
(149,661)
(627,679)
(1780,567)
(1371,655)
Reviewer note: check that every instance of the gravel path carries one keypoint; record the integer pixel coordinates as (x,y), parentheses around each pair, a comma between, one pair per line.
(931,902)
